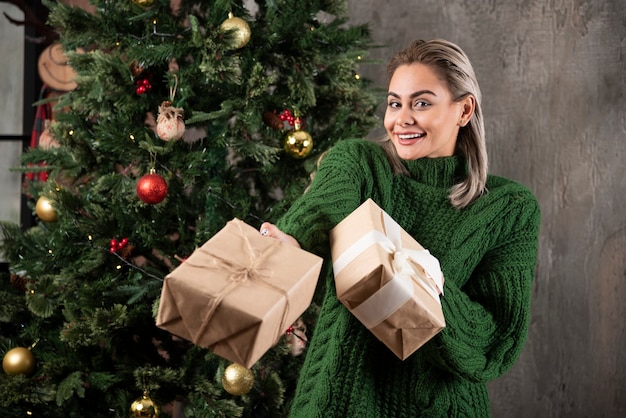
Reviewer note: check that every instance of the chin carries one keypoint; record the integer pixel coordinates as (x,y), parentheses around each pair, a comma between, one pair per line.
(406,154)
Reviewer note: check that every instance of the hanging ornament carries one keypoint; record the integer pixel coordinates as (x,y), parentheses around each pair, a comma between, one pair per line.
(298,142)
(45,210)
(143,85)
(170,122)
(272,120)
(296,338)
(136,69)
(46,140)
(143,3)
(151,188)
(237,380)
(287,116)
(144,407)
(121,247)
(115,245)
(19,282)
(19,360)
(242,30)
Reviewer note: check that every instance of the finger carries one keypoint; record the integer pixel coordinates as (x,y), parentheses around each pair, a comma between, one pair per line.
(271,230)
(265,228)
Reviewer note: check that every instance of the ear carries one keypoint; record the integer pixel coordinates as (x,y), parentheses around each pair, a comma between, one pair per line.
(468,105)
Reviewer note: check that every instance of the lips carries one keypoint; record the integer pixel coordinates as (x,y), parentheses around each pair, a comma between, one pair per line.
(409,138)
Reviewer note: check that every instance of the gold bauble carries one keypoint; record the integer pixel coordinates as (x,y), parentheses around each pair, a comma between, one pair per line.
(144,407)
(237,380)
(45,210)
(143,3)
(242,34)
(18,360)
(298,143)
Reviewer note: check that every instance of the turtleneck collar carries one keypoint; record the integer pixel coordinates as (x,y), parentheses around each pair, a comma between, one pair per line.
(437,172)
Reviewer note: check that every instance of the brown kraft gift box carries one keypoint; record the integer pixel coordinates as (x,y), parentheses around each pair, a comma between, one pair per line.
(387,279)
(238,293)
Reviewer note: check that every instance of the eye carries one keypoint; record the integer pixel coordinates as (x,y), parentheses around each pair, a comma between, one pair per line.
(393,104)
(421,103)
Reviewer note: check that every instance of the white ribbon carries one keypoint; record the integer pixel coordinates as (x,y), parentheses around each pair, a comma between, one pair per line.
(406,266)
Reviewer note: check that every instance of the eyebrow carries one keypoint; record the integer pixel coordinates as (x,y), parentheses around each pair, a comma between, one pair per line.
(413,95)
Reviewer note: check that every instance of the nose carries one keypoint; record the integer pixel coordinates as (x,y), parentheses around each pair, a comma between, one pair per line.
(404,118)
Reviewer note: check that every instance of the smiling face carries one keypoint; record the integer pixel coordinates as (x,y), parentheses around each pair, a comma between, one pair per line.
(421,118)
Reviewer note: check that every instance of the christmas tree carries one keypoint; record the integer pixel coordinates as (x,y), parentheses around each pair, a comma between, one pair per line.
(185,114)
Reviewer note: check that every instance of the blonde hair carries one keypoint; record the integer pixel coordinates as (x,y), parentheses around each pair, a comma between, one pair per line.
(453,66)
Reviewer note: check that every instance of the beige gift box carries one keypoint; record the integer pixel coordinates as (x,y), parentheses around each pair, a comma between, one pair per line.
(238,293)
(387,279)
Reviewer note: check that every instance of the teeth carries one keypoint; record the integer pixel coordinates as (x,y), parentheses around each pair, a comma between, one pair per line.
(411,136)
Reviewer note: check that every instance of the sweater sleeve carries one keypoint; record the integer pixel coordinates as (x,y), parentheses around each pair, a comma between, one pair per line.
(338,187)
(487,318)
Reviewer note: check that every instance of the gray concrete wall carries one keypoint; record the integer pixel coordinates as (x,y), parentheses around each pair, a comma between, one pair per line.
(553,75)
(11,105)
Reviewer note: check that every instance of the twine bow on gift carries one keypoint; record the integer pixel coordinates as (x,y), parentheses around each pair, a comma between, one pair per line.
(238,273)
(408,266)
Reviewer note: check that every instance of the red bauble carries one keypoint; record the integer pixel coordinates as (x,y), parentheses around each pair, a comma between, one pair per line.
(151,189)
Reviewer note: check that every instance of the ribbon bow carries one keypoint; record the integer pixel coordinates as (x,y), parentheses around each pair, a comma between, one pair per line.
(407,265)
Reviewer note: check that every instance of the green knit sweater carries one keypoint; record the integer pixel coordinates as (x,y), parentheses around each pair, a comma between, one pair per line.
(487,253)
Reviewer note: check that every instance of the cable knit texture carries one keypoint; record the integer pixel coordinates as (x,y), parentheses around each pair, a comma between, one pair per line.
(487,253)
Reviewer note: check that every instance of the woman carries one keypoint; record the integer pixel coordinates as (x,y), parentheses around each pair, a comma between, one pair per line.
(430,175)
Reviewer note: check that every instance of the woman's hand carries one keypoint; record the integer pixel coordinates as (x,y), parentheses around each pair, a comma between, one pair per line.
(270,230)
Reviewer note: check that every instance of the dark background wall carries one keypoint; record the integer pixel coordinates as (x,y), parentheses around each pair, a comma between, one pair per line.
(553,76)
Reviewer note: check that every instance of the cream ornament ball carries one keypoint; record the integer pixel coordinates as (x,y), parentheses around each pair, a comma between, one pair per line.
(170,123)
